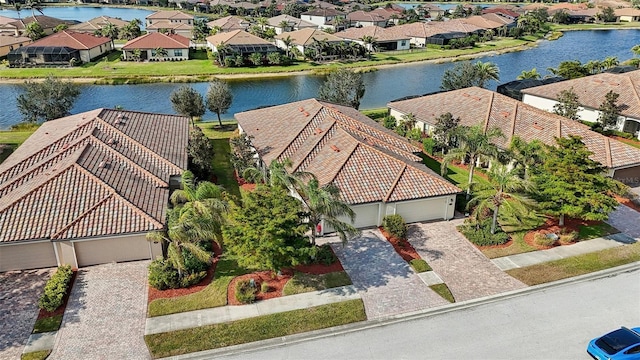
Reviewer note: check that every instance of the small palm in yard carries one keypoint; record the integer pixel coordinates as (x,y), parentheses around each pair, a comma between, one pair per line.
(506,191)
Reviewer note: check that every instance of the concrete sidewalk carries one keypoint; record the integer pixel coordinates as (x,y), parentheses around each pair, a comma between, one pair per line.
(192,319)
(561,252)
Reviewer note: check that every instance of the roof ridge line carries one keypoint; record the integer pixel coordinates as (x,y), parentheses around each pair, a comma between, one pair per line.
(633,88)
(607,152)
(139,144)
(299,132)
(79,217)
(358,143)
(486,119)
(114,192)
(395,184)
(324,135)
(513,121)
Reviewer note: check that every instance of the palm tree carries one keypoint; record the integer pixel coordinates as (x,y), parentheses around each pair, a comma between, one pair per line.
(370,42)
(109,30)
(277,175)
(635,50)
(262,21)
(408,121)
(18,7)
(34,5)
(223,50)
(610,61)
(505,190)
(524,154)
(287,43)
(474,144)
(594,66)
(255,58)
(284,25)
(324,203)
(486,71)
(160,52)
(531,74)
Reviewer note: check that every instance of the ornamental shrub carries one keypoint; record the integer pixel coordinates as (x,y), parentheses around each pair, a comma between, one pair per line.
(192,264)
(414,134)
(325,255)
(480,233)
(192,278)
(245,291)
(395,226)
(162,275)
(544,240)
(419,265)
(428,145)
(389,122)
(55,289)
(264,287)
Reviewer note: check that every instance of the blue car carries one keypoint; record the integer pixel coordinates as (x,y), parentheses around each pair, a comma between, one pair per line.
(621,344)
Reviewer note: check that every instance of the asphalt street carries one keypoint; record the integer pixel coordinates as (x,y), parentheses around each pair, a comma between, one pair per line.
(554,323)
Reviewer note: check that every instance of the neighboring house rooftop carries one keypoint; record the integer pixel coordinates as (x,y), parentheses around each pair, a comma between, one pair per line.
(366,16)
(102,172)
(627,12)
(230,23)
(47,22)
(378,33)
(98,23)
(237,37)
(169,15)
(307,36)
(501,11)
(291,20)
(488,21)
(591,90)
(71,39)
(7,40)
(158,40)
(324,12)
(6,20)
(173,26)
(477,106)
(339,145)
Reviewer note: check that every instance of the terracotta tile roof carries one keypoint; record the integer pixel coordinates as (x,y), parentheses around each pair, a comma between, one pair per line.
(6,20)
(103,172)
(378,33)
(291,20)
(591,90)
(480,106)
(338,144)
(98,23)
(156,40)
(169,26)
(324,12)
(307,36)
(627,12)
(507,12)
(367,16)
(170,15)
(488,21)
(7,40)
(230,23)
(71,39)
(236,37)
(47,22)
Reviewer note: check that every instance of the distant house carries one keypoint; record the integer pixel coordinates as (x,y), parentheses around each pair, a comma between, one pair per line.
(477,106)
(490,21)
(292,24)
(508,13)
(431,11)
(176,47)
(96,24)
(361,18)
(627,14)
(385,38)
(60,48)
(86,189)
(591,91)
(8,43)
(301,39)
(240,42)
(175,22)
(325,18)
(229,23)
(377,171)
(48,23)
(421,33)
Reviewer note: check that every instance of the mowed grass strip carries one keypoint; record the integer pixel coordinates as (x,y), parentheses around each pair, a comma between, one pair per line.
(443,291)
(301,282)
(47,324)
(36,355)
(255,329)
(577,265)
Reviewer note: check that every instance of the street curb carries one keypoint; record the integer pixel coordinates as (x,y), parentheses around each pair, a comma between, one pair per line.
(368,324)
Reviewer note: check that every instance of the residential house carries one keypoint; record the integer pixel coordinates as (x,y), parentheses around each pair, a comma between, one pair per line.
(361,18)
(146,47)
(240,42)
(229,23)
(60,48)
(175,22)
(17,27)
(8,43)
(591,91)
(326,18)
(583,15)
(421,33)
(627,14)
(302,39)
(385,38)
(391,13)
(292,24)
(96,24)
(490,21)
(504,12)
(377,171)
(430,11)
(87,188)
(477,106)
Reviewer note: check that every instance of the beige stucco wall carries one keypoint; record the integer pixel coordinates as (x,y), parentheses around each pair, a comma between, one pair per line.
(115,249)
(22,256)
(66,254)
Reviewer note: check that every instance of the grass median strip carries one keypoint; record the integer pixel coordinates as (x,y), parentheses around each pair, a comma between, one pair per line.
(577,265)
(443,291)
(36,355)
(255,329)
(301,282)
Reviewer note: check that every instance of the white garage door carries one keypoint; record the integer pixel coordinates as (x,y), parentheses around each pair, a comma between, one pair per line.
(27,256)
(366,215)
(111,250)
(422,210)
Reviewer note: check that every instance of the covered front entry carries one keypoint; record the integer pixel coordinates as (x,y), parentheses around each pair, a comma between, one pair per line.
(33,255)
(117,249)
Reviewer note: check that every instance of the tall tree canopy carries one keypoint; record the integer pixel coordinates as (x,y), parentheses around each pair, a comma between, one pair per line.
(188,102)
(444,131)
(343,87)
(467,74)
(200,151)
(609,110)
(219,98)
(47,100)
(567,105)
(570,183)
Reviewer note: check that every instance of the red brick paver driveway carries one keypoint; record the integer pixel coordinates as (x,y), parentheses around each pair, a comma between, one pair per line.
(106,314)
(626,220)
(465,270)
(19,293)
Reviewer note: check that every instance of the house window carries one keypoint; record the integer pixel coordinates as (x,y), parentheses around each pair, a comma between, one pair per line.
(404,43)
(177,52)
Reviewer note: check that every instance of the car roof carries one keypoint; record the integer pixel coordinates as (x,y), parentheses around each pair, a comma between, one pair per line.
(618,340)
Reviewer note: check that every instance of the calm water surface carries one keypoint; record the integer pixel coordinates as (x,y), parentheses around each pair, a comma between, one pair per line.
(382,86)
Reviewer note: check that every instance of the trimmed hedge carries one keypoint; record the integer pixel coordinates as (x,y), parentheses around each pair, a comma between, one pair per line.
(246,291)
(480,233)
(55,289)
(395,226)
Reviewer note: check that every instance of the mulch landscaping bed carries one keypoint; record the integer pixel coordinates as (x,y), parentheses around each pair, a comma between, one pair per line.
(500,246)
(43,314)
(169,293)
(401,246)
(628,202)
(551,226)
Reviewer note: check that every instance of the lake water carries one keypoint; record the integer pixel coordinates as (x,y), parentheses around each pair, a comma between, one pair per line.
(382,86)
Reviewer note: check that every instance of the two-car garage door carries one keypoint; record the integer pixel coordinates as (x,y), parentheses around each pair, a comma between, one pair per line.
(111,250)
(27,256)
(422,210)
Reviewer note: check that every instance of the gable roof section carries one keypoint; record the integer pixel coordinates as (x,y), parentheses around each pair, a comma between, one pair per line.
(323,12)
(307,36)
(477,106)
(291,20)
(169,15)
(103,172)
(591,90)
(71,39)
(156,40)
(361,15)
(98,23)
(237,37)
(340,145)
(378,33)
(6,40)
(230,23)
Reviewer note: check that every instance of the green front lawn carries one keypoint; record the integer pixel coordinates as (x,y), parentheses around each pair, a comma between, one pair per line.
(596,231)
(36,355)
(255,329)
(47,324)
(455,175)
(13,139)
(302,282)
(577,265)
(222,167)
(213,295)
(443,291)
